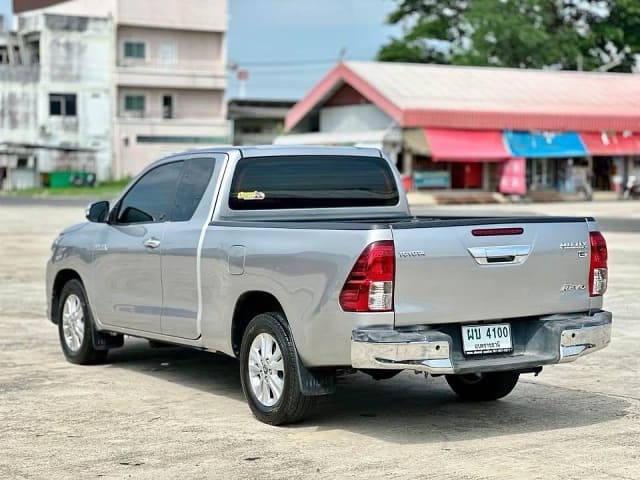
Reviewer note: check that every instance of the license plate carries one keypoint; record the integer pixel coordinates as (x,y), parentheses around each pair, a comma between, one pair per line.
(480,339)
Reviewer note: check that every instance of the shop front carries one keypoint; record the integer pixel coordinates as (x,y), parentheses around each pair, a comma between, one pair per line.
(614,158)
(458,159)
(479,128)
(550,156)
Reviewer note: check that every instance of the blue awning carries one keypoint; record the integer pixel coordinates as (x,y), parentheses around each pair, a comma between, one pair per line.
(544,144)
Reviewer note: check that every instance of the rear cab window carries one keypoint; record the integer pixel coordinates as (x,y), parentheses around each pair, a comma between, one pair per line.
(312,181)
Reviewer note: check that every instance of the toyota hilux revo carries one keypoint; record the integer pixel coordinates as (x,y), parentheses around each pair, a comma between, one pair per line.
(305,263)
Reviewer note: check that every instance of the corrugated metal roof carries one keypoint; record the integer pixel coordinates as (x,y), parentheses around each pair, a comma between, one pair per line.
(338,138)
(483,97)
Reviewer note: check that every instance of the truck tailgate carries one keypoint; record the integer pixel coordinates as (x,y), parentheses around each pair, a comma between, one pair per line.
(447,274)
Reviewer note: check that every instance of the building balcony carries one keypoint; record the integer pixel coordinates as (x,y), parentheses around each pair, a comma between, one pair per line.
(130,118)
(194,75)
(22,74)
(175,130)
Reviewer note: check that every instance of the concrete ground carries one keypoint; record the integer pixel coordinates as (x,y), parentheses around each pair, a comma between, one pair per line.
(175,413)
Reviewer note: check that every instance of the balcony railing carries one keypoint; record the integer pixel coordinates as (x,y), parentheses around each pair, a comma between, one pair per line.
(20,73)
(200,66)
(171,78)
(146,119)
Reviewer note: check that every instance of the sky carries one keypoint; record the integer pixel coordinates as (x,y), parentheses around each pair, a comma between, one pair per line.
(5,10)
(286,45)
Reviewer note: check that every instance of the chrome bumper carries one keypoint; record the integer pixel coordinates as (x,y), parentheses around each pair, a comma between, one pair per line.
(438,350)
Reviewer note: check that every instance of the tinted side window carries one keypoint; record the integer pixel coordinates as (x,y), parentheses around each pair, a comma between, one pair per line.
(312,181)
(196,176)
(152,198)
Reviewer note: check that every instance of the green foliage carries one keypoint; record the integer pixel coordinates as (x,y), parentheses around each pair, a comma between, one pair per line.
(619,36)
(565,34)
(433,28)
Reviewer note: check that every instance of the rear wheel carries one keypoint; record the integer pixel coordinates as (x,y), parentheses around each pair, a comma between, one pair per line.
(75,326)
(269,371)
(482,387)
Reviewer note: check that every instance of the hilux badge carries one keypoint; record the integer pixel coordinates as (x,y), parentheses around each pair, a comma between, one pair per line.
(572,245)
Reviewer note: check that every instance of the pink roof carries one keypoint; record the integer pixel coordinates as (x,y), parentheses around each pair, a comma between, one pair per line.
(418,95)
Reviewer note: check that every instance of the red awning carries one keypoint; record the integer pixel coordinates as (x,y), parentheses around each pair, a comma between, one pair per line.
(449,145)
(611,143)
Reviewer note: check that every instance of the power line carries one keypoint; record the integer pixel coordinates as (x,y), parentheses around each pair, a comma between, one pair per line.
(283,63)
(262,74)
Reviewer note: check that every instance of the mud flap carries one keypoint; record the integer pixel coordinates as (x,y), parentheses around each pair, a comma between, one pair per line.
(106,341)
(316,382)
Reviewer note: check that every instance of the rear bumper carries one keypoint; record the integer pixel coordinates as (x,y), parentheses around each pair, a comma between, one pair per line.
(438,350)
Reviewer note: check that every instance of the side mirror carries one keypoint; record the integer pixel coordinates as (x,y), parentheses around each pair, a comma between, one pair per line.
(97,212)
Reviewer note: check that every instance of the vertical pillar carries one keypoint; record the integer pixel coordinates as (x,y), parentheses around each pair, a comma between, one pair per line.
(626,170)
(485,176)
(407,162)
(407,166)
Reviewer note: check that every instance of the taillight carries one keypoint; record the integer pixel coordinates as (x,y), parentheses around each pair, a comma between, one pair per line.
(369,286)
(598,273)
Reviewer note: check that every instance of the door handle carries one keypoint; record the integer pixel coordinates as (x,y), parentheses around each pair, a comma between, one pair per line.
(151,243)
(509,254)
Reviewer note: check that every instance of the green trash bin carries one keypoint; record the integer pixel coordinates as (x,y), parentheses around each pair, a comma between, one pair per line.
(60,178)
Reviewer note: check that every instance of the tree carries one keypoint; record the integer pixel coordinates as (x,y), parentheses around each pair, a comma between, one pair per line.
(565,34)
(617,39)
(433,28)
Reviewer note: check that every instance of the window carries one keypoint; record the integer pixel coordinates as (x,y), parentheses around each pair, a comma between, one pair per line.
(167,106)
(167,53)
(196,176)
(312,181)
(62,104)
(152,198)
(134,49)
(134,103)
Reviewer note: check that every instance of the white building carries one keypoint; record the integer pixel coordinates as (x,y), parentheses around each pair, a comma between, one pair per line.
(149,80)
(55,98)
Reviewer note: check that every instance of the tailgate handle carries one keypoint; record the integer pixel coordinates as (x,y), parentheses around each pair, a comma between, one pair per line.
(501,255)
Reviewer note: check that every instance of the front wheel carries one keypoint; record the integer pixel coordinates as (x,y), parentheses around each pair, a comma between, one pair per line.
(482,387)
(269,371)
(75,326)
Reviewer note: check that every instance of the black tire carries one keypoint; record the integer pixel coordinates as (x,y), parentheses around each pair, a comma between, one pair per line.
(292,406)
(483,387)
(86,354)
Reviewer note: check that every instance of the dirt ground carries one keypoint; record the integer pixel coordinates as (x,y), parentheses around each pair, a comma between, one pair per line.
(175,413)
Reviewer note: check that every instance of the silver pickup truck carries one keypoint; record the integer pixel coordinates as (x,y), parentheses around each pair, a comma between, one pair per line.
(306,263)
